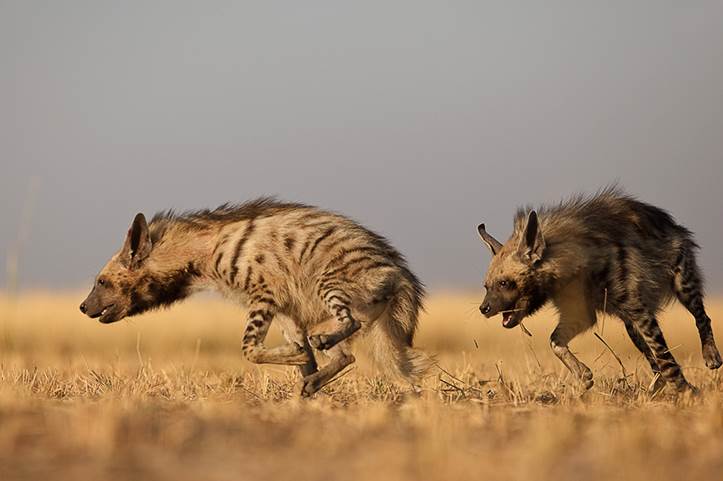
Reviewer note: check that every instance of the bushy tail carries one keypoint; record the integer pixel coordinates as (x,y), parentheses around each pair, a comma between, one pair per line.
(392,335)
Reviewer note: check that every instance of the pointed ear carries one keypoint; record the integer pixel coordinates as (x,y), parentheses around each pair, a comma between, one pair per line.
(137,246)
(493,244)
(532,244)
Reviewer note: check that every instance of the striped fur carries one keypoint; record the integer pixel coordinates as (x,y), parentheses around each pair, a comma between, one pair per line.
(334,279)
(609,252)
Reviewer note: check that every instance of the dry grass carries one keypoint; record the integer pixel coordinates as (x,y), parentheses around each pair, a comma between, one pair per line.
(168,396)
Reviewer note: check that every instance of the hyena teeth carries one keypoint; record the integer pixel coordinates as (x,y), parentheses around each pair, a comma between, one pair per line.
(277,258)
(613,254)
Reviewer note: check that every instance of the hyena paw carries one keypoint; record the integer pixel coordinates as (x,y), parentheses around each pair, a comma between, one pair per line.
(586,378)
(321,342)
(712,356)
(310,385)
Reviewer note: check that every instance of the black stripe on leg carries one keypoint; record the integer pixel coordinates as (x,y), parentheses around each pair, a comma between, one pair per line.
(260,313)
(239,246)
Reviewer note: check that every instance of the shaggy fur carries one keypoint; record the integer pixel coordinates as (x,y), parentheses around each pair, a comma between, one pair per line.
(332,277)
(608,252)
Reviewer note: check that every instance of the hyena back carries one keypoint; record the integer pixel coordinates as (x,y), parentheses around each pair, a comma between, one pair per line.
(611,253)
(318,269)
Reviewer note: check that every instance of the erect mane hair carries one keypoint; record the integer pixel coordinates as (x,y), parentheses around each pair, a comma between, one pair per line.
(225,213)
(610,210)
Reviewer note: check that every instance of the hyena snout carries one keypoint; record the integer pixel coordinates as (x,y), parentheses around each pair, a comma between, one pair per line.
(490,306)
(92,306)
(102,307)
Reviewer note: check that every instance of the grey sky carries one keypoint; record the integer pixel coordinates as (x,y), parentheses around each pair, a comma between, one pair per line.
(419,119)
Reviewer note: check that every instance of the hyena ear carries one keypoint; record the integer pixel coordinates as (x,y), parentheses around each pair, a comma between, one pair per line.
(493,244)
(138,245)
(532,244)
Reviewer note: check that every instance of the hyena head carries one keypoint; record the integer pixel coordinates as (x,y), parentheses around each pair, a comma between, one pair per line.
(514,284)
(132,282)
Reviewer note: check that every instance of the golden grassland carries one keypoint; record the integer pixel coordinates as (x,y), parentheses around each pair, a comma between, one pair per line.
(168,396)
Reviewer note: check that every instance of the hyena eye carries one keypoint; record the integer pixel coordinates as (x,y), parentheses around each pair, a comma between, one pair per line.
(101,282)
(507,284)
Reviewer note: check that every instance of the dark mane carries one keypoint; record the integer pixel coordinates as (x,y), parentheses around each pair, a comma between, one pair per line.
(228,212)
(610,210)
(577,203)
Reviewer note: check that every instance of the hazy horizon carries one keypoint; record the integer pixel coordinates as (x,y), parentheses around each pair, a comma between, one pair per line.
(419,120)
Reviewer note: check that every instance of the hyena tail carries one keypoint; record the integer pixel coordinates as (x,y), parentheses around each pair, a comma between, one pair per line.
(392,336)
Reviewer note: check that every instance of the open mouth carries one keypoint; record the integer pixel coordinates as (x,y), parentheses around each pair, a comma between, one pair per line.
(512,317)
(105,314)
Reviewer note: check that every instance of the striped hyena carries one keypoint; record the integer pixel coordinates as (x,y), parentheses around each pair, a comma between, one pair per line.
(314,267)
(610,253)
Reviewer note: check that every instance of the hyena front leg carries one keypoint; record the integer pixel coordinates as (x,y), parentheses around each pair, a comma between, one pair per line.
(643,348)
(576,316)
(559,340)
(260,317)
(669,367)
(338,304)
(341,357)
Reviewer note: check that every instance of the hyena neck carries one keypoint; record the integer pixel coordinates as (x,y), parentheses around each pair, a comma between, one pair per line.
(538,289)
(176,268)
(161,289)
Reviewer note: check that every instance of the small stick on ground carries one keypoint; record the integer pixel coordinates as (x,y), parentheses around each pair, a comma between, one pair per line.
(501,380)
(457,379)
(622,366)
(534,354)
(453,387)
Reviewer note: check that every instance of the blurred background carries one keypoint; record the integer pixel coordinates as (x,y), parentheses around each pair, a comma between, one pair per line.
(419,119)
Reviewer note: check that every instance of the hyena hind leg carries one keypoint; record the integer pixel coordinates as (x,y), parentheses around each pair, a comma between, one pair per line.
(295,335)
(645,350)
(670,370)
(253,342)
(688,286)
(341,357)
(338,304)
